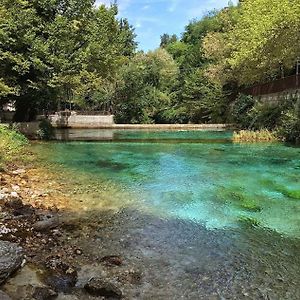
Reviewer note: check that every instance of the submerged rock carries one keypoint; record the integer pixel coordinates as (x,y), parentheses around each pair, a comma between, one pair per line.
(4,296)
(14,203)
(100,287)
(11,258)
(112,260)
(46,224)
(44,293)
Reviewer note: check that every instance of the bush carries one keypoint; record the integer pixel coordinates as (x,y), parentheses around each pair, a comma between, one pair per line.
(46,130)
(289,128)
(282,118)
(11,144)
(265,116)
(241,109)
(172,116)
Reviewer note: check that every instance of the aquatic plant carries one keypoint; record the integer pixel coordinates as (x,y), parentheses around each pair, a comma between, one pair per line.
(263,135)
(290,193)
(248,221)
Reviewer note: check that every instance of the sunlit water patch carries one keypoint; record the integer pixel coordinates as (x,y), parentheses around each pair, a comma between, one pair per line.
(190,175)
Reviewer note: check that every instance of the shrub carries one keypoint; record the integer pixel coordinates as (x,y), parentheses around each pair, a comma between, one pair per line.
(46,130)
(240,110)
(11,144)
(289,128)
(264,116)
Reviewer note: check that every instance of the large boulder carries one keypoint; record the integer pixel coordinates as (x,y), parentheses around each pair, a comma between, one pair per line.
(11,258)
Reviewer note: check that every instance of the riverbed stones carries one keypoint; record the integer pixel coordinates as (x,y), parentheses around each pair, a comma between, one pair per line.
(11,258)
(97,286)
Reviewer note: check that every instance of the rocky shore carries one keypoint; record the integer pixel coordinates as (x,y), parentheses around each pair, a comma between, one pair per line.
(40,253)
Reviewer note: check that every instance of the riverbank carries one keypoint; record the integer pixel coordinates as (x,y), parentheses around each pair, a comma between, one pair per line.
(40,232)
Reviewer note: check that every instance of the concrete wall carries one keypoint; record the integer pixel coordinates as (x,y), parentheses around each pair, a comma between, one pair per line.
(81,121)
(276,98)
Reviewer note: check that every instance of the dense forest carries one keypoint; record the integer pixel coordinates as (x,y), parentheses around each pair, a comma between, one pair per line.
(70,53)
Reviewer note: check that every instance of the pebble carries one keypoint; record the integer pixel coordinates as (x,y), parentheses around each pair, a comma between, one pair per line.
(18,172)
(15,188)
(14,195)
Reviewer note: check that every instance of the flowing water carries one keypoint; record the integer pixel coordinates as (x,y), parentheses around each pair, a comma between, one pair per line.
(200,216)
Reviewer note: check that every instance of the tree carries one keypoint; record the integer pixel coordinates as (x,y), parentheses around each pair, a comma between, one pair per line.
(58,50)
(167,39)
(127,37)
(145,87)
(203,98)
(263,39)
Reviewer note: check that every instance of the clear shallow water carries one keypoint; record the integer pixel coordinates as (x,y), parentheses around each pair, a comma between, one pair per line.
(196,216)
(191,175)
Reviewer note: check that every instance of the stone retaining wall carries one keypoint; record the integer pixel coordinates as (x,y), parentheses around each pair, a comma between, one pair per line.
(81,121)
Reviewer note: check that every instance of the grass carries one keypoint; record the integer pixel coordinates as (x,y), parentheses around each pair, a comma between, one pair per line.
(263,135)
(11,145)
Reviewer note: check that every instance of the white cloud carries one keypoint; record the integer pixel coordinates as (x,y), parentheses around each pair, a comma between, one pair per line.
(173,5)
(146,7)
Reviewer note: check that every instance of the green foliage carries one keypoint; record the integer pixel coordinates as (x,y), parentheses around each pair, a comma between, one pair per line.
(145,87)
(240,110)
(167,39)
(52,51)
(173,115)
(46,130)
(262,38)
(264,116)
(203,98)
(11,144)
(289,127)
(282,117)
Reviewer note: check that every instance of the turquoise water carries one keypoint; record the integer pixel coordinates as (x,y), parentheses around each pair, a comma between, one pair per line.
(189,175)
(193,215)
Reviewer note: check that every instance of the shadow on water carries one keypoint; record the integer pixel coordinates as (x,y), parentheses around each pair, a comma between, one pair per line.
(174,259)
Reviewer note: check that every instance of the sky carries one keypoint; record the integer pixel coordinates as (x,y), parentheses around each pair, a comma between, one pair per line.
(152,18)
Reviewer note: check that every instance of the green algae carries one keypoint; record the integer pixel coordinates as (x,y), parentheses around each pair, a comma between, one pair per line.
(248,221)
(290,193)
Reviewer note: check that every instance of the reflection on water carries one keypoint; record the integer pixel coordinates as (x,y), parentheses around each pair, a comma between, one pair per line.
(201,219)
(141,135)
